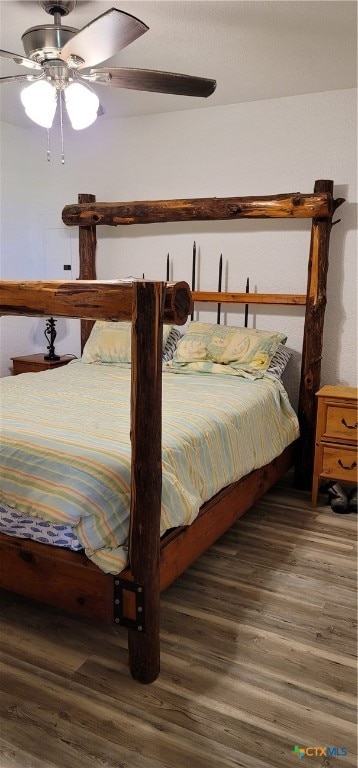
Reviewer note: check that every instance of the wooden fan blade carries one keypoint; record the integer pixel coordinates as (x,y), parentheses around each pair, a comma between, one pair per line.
(103,37)
(20,79)
(18,59)
(153,80)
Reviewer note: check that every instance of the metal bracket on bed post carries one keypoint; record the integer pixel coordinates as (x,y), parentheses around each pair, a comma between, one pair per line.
(121,585)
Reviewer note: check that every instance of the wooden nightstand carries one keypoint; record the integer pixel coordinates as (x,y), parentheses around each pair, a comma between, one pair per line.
(35,363)
(336,437)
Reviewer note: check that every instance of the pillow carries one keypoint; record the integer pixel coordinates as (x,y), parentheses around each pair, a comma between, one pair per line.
(110,342)
(193,345)
(226,349)
(171,344)
(279,361)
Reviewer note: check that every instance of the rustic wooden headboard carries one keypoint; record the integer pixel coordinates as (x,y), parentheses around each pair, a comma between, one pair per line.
(318,206)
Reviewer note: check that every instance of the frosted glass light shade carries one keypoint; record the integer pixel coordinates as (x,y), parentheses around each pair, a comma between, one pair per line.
(82,106)
(40,101)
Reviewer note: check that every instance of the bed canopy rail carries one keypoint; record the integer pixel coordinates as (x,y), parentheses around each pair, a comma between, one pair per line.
(318,206)
(293,205)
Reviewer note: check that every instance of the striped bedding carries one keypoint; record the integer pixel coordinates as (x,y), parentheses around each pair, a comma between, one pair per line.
(65,449)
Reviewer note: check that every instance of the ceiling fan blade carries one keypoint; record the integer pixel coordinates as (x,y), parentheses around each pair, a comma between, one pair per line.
(18,59)
(153,80)
(20,79)
(103,37)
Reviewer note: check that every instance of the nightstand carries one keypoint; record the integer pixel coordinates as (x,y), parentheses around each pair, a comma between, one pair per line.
(35,363)
(336,437)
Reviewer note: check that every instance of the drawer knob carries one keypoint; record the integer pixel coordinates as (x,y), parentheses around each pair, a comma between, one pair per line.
(350,426)
(353,466)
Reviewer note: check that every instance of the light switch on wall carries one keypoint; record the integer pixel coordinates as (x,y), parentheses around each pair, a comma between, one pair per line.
(57,254)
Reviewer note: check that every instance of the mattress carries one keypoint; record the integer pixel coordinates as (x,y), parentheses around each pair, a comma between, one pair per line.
(65,452)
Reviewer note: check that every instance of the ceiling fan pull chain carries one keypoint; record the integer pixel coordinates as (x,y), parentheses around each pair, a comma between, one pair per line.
(48,146)
(61,126)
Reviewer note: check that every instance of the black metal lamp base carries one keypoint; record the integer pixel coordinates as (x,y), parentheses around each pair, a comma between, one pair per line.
(50,335)
(52,357)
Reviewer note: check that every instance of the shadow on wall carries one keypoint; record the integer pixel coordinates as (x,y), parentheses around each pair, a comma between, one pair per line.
(38,332)
(67,341)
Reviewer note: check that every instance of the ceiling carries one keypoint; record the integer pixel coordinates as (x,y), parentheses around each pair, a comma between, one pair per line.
(255,49)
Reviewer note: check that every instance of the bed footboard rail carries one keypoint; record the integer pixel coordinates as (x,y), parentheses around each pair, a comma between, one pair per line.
(89,299)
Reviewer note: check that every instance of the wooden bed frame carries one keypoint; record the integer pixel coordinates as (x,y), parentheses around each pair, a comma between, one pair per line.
(69,580)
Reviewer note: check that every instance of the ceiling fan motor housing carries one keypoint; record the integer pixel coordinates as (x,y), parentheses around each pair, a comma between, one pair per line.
(46,41)
(63,7)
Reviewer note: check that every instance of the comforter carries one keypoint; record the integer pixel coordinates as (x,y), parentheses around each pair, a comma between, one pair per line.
(65,450)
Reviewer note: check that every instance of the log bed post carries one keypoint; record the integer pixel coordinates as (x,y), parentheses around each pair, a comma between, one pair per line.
(87,245)
(146,475)
(313,337)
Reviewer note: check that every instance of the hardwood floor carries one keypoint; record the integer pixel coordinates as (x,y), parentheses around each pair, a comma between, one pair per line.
(258,655)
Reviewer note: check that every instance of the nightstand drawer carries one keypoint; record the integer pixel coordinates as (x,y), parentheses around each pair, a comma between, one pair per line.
(341,424)
(340,463)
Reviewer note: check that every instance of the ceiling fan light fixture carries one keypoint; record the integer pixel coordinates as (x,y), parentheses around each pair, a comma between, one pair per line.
(82,106)
(40,101)
(64,55)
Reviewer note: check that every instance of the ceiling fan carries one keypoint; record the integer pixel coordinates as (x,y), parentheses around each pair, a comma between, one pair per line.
(65,60)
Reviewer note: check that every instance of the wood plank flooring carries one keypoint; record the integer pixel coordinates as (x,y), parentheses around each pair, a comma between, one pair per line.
(258,655)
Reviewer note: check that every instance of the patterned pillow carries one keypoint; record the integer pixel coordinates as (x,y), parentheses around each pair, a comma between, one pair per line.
(193,345)
(243,347)
(226,349)
(279,361)
(110,342)
(171,344)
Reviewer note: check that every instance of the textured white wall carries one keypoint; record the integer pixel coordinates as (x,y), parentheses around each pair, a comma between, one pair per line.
(265,147)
